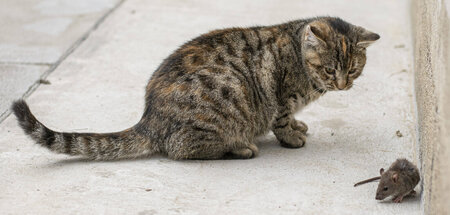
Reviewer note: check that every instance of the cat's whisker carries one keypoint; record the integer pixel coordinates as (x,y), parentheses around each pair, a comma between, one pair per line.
(312,92)
(358,87)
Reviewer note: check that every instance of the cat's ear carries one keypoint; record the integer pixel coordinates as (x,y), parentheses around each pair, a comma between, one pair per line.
(316,33)
(366,38)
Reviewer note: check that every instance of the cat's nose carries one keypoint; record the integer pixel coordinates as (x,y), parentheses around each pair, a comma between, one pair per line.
(341,83)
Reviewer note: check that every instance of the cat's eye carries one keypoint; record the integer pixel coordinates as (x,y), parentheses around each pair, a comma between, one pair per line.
(330,71)
(385,188)
(353,71)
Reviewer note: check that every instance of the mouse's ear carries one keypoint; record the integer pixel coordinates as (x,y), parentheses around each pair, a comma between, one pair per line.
(395,177)
(381,171)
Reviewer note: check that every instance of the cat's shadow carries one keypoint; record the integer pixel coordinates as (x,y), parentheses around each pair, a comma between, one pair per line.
(267,144)
(81,160)
(406,200)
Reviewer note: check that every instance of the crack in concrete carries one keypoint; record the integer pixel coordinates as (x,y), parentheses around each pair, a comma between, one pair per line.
(25,63)
(66,54)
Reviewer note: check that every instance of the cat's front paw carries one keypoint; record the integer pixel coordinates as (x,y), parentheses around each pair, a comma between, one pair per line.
(299,125)
(291,138)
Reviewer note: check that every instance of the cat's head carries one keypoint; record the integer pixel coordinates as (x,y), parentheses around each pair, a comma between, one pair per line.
(334,52)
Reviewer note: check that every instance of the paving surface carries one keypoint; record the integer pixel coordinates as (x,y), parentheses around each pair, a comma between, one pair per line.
(35,35)
(100,88)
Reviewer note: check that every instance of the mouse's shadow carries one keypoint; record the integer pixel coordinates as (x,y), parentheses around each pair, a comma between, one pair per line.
(406,200)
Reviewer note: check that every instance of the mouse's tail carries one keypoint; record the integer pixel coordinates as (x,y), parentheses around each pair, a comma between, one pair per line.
(367,181)
(105,146)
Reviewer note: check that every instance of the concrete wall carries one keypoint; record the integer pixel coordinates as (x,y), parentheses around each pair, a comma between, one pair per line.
(432,83)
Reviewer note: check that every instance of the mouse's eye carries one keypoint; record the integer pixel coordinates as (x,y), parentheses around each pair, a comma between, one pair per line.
(385,188)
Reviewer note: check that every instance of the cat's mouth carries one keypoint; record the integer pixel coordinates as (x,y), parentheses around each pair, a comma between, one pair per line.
(333,87)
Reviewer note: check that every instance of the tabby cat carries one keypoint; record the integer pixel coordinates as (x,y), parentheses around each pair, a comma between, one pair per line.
(213,96)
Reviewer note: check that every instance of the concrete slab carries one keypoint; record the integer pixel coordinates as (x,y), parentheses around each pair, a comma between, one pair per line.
(15,80)
(41,31)
(38,34)
(352,134)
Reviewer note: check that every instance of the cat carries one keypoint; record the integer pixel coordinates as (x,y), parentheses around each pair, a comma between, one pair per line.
(213,96)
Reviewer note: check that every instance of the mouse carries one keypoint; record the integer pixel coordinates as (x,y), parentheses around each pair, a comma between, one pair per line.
(398,181)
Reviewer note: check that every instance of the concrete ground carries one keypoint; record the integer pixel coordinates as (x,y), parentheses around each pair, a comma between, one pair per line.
(100,88)
(36,36)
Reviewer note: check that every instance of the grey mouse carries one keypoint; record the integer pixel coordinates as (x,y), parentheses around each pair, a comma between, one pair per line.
(398,181)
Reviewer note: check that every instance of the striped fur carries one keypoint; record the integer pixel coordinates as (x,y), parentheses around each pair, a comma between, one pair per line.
(108,146)
(213,96)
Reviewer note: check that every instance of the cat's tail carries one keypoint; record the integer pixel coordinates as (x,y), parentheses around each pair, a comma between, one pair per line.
(107,146)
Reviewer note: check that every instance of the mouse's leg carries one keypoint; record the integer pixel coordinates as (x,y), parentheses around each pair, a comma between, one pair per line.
(412,193)
(398,199)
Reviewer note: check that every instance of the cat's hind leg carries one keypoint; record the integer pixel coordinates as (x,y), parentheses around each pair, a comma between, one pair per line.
(207,144)
(247,152)
(213,150)
(199,150)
